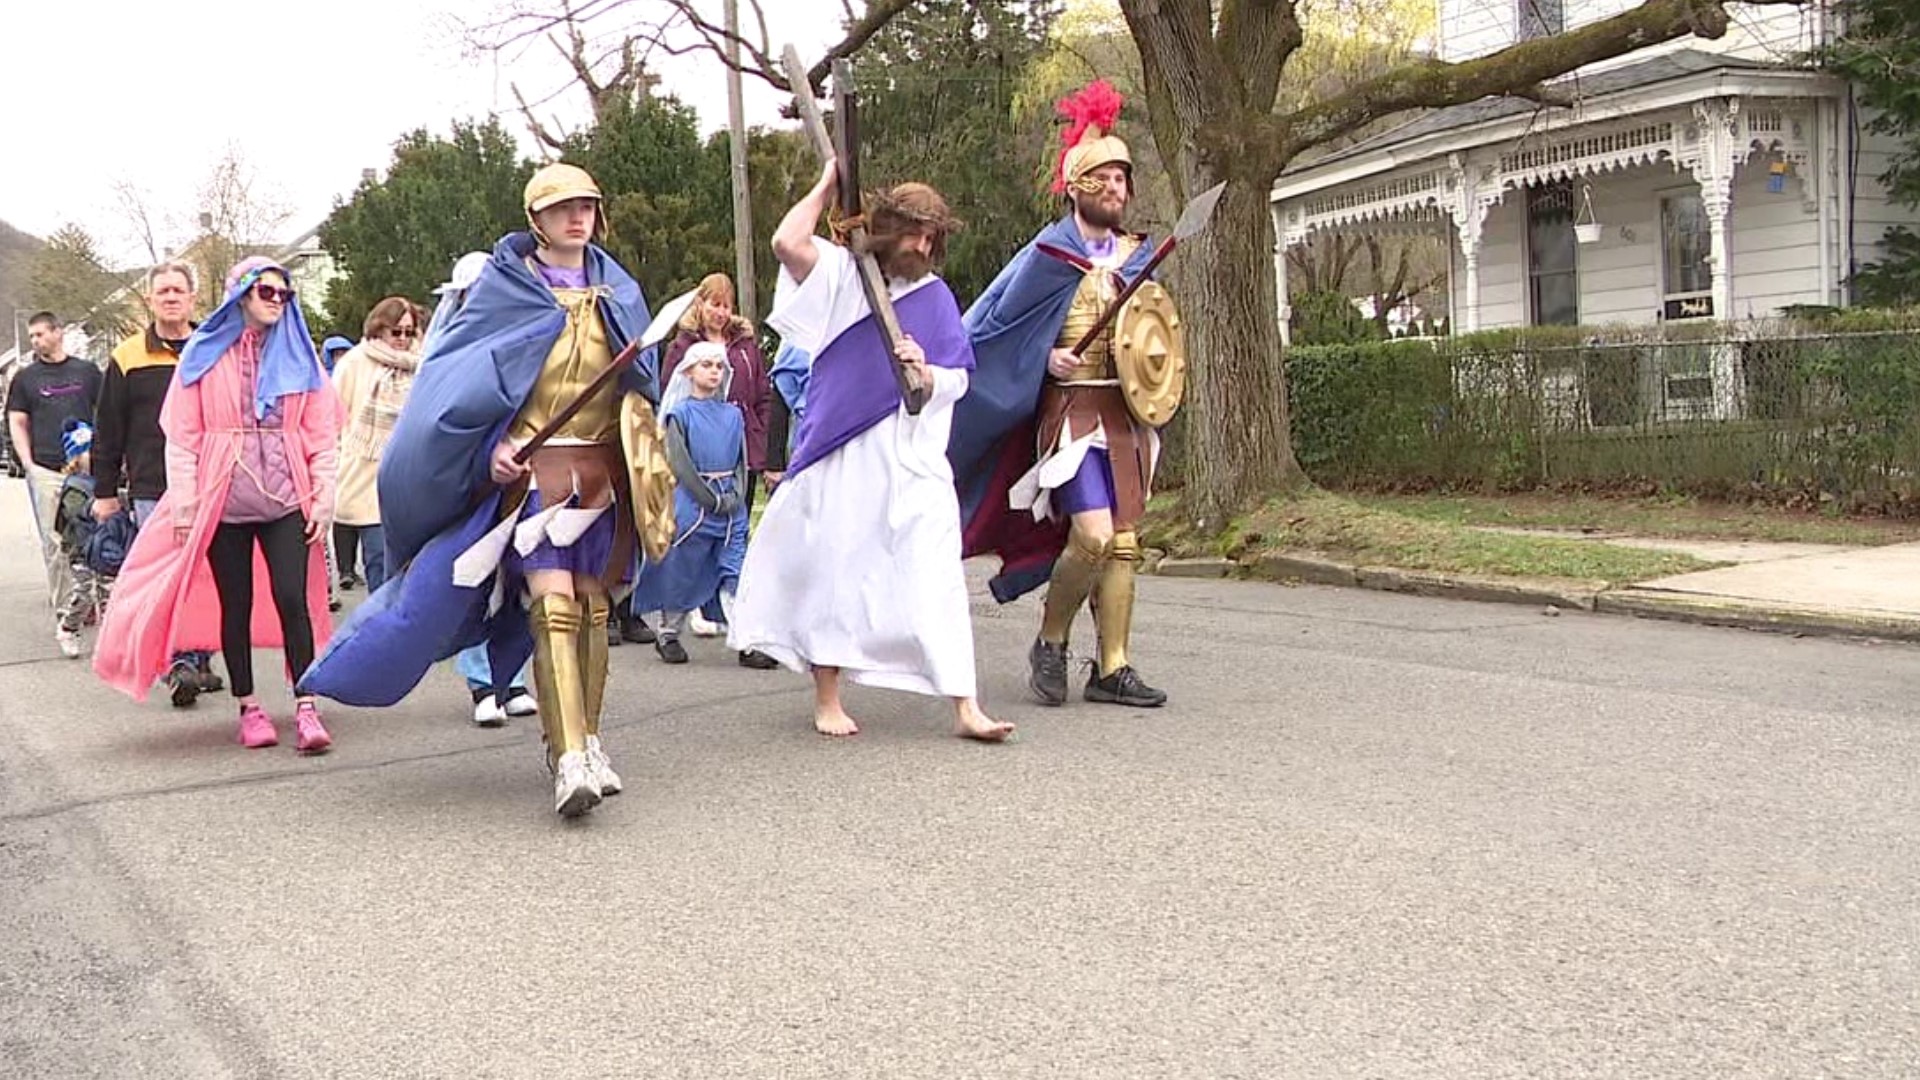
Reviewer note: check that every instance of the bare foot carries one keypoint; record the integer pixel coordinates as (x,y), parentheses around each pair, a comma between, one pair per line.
(971,723)
(834,721)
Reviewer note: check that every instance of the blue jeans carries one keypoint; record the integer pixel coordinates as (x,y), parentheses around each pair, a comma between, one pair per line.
(142,510)
(473,666)
(372,542)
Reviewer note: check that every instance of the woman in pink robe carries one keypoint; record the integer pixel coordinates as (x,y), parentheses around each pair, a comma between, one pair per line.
(251,425)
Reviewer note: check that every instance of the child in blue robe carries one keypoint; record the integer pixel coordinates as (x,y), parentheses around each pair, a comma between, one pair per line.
(706,448)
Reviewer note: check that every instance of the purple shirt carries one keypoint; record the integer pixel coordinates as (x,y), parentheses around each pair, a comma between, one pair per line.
(562,277)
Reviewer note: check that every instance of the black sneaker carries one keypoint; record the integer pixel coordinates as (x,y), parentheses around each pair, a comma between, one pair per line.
(184,684)
(1048,672)
(348,582)
(637,631)
(210,680)
(1123,687)
(758,661)
(671,650)
(614,640)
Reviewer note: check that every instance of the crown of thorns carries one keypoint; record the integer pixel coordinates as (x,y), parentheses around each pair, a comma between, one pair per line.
(904,206)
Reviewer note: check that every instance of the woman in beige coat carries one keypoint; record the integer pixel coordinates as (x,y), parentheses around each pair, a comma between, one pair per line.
(373,380)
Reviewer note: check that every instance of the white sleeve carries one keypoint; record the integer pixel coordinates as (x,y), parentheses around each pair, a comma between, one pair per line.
(804,311)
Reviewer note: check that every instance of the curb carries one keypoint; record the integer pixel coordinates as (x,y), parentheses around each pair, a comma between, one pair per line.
(1304,568)
(1318,570)
(1745,614)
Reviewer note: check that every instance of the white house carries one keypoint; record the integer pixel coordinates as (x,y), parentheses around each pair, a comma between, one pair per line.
(1699,179)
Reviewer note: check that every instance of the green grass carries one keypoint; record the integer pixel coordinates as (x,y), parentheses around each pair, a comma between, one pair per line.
(1679,518)
(1353,531)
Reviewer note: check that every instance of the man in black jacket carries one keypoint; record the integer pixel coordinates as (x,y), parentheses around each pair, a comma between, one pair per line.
(130,450)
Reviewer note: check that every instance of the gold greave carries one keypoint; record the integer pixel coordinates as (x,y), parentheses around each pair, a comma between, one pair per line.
(593,655)
(1073,576)
(555,621)
(1113,602)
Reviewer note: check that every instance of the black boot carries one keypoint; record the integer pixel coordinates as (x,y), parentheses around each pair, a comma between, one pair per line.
(1047,677)
(1123,687)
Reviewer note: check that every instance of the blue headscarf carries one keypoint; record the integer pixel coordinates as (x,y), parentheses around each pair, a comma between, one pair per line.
(288,364)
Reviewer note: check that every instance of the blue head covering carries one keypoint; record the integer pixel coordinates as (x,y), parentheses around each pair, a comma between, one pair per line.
(288,364)
(330,348)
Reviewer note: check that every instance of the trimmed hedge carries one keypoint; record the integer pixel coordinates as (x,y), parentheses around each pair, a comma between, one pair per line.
(1829,405)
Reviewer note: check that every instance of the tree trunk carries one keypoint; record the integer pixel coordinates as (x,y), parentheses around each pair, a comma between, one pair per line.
(1238,448)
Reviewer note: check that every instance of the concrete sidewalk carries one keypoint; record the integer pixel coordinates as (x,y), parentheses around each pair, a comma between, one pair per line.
(1792,587)
(1867,591)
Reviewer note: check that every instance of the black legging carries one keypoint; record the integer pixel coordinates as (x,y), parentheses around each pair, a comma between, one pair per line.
(230,554)
(346,549)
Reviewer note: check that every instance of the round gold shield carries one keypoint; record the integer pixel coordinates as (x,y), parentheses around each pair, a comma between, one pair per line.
(1150,355)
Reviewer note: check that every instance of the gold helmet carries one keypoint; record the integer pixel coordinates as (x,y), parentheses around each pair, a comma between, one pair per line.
(1089,143)
(556,183)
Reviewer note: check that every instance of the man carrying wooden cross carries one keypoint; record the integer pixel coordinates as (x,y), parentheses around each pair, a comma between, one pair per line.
(856,564)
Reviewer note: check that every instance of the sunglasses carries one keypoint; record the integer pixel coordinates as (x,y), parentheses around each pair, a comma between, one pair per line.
(404,333)
(271,294)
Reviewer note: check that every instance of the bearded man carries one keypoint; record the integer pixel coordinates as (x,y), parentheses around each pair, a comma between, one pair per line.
(856,563)
(1054,470)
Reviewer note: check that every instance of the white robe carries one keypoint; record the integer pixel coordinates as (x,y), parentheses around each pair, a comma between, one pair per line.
(856,563)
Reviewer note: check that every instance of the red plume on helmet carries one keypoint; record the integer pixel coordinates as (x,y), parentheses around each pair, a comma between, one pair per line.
(1096,106)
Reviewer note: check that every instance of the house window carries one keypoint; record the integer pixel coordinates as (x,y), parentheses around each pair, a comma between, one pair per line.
(1685,246)
(1553,287)
(1541,18)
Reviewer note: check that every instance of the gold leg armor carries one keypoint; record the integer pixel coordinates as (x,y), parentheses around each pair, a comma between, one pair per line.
(598,609)
(1074,574)
(1113,602)
(556,673)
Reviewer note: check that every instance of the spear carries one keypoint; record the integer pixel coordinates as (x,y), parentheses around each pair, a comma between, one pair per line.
(657,331)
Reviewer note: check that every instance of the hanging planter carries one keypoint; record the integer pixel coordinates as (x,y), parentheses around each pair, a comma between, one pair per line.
(1586,231)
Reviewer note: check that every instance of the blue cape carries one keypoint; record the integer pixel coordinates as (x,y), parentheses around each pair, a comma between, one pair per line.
(1013,325)
(474,381)
(288,364)
(436,497)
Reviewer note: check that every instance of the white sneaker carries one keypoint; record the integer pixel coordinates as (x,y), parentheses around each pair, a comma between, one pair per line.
(700,627)
(522,704)
(602,768)
(488,713)
(574,792)
(70,646)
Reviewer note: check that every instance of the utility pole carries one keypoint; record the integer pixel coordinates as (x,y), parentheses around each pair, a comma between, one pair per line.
(742,196)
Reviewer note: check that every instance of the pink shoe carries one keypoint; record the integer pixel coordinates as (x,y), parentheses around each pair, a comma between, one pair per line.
(256,728)
(313,734)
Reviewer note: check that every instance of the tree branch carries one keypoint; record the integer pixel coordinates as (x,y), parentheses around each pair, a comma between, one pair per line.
(1517,70)
(1257,38)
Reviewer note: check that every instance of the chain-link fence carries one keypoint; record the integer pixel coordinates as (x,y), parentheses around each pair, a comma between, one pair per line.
(1828,413)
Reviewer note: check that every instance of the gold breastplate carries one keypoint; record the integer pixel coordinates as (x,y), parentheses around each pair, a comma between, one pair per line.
(578,356)
(1096,291)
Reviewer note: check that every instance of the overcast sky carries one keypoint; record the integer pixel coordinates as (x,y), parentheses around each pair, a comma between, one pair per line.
(311,93)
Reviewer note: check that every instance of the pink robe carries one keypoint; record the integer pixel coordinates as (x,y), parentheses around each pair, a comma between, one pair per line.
(164,601)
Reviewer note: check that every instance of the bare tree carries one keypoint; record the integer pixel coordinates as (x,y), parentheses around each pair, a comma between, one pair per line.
(238,215)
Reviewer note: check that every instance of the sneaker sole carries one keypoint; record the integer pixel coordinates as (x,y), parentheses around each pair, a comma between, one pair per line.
(491,721)
(1101,697)
(315,751)
(578,802)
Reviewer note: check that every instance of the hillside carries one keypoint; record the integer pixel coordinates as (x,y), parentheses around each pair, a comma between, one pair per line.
(16,256)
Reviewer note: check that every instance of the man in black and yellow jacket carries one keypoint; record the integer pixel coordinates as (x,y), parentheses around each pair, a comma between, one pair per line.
(130,450)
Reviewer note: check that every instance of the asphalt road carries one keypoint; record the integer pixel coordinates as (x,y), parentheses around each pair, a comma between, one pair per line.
(1373,836)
